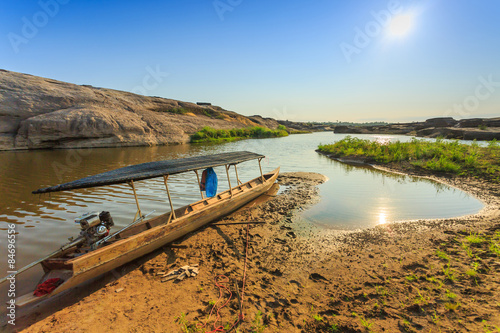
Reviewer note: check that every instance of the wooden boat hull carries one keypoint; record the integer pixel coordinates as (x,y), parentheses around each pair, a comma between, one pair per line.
(80,269)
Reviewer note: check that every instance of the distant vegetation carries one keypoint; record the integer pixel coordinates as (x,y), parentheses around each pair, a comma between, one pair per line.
(293,131)
(182,110)
(441,156)
(179,110)
(347,123)
(208,134)
(213,114)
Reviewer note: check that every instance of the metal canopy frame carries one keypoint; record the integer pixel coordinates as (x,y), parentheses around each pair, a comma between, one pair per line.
(227,167)
(131,183)
(199,183)
(172,211)
(229,179)
(172,216)
(148,170)
(260,168)
(153,169)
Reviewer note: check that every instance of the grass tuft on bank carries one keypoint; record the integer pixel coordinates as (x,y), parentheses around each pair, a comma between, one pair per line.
(440,290)
(208,134)
(437,156)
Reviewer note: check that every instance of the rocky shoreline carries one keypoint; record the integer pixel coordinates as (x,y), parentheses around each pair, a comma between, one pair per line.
(446,127)
(41,113)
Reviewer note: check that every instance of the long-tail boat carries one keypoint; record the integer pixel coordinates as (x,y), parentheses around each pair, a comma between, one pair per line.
(96,251)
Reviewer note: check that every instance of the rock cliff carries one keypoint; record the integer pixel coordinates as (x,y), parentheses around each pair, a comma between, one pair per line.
(37,112)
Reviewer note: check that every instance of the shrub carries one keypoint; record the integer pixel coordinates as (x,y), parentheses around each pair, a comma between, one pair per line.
(210,134)
(440,155)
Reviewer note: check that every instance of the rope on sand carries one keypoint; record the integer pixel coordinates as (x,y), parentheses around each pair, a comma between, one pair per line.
(221,282)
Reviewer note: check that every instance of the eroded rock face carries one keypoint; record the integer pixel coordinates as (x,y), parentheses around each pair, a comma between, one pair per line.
(440,122)
(84,126)
(477,122)
(36,113)
(447,127)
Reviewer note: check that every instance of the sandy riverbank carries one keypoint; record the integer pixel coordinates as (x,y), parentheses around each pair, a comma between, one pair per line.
(303,279)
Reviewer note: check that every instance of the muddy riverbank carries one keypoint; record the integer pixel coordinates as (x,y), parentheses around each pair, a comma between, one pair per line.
(441,275)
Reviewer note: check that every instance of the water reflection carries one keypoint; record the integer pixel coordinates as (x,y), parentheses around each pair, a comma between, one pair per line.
(382,216)
(361,196)
(353,197)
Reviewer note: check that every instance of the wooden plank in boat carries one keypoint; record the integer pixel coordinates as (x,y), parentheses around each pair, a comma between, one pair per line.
(28,298)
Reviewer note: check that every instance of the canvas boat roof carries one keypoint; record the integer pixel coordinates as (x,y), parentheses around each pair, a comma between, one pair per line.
(154,169)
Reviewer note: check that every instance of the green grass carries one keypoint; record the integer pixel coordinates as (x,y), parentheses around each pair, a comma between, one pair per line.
(495,248)
(421,299)
(185,325)
(440,292)
(298,132)
(437,156)
(412,277)
(177,110)
(471,273)
(334,328)
(442,255)
(475,238)
(258,323)
(363,320)
(208,134)
(451,306)
(468,250)
(449,273)
(213,114)
(381,291)
(450,295)
(317,317)
(487,328)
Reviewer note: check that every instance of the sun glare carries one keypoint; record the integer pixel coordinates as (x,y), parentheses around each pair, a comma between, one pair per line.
(382,218)
(400,25)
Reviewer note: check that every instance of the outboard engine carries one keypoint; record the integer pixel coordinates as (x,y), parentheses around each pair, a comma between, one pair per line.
(94,226)
(106,219)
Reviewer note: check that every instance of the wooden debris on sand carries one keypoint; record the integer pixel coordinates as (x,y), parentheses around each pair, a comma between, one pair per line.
(181,273)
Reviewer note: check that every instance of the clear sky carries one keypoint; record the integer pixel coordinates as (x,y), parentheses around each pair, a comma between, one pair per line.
(323,60)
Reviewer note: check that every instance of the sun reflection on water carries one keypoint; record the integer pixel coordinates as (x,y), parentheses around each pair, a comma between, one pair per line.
(383,140)
(382,218)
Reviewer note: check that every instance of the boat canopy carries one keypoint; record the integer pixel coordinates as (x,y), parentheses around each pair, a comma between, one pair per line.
(154,169)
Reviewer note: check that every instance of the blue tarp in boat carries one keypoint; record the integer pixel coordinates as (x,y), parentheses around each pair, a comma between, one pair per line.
(210,182)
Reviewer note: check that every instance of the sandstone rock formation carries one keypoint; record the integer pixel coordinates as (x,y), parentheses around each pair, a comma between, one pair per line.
(447,127)
(305,127)
(37,112)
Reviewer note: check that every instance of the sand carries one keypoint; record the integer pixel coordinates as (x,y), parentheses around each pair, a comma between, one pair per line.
(426,275)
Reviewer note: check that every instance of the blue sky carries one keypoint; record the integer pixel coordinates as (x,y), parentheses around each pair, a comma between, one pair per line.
(281,59)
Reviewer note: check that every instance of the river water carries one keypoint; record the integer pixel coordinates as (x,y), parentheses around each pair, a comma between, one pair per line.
(353,197)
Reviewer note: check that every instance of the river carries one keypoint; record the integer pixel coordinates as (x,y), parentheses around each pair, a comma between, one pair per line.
(353,197)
